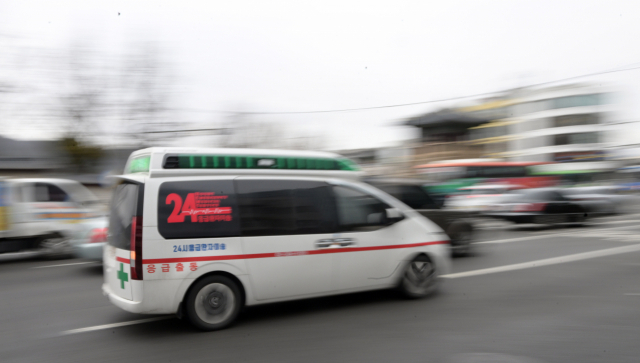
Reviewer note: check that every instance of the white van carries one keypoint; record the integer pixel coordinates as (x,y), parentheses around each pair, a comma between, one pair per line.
(202,232)
(45,214)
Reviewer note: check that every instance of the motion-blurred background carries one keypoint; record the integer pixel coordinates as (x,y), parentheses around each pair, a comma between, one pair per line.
(84,83)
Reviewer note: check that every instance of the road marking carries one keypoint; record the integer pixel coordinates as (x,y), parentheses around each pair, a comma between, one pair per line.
(66,264)
(616,222)
(14,256)
(520,238)
(115,325)
(546,261)
(488,225)
(546,235)
(632,294)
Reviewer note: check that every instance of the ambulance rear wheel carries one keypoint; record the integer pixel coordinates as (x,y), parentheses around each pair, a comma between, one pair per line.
(213,303)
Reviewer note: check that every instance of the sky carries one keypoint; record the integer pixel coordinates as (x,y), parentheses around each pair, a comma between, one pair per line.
(291,56)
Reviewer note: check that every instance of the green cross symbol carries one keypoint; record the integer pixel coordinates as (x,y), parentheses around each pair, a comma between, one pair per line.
(122,276)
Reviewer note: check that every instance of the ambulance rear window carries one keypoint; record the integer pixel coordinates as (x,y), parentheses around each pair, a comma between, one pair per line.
(125,204)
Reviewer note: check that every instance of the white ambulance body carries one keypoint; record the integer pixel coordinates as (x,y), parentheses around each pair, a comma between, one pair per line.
(44,213)
(202,232)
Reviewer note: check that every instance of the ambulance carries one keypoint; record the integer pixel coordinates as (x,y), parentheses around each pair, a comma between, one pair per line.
(203,232)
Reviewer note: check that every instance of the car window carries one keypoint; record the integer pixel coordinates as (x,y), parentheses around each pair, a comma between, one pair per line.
(285,207)
(79,193)
(49,193)
(416,198)
(572,191)
(198,209)
(556,197)
(527,195)
(359,211)
(17,193)
(411,195)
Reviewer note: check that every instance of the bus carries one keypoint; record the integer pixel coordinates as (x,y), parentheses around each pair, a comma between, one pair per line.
(446,177)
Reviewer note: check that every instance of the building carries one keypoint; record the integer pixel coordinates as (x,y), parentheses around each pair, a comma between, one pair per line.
(568,125)
(48,159)
(386,161)
(445,135)
(554,124)
(30,157)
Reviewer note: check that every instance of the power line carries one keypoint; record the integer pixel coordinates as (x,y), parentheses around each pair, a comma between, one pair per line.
(186,130)
(624,69)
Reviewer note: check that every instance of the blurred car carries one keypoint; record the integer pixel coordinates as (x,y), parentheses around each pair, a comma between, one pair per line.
(456,224)
(89,244)
(478,197)
(45,214)
(599,199)
(540,206)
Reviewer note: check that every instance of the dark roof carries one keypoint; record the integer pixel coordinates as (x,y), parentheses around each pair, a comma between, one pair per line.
(444,118)
(29,154)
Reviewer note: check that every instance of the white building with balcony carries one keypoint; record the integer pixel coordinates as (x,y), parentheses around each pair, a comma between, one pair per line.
(561,124)
(568,125)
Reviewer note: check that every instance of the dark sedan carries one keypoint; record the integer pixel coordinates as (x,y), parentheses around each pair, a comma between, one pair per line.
(456,224)
(540,206)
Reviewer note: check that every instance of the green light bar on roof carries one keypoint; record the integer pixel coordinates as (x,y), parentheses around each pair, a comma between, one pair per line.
(256,162)
(139,164)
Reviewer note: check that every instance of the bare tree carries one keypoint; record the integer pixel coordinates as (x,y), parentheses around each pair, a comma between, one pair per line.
(101,94)
(145,94)
(84,92)
(246,132)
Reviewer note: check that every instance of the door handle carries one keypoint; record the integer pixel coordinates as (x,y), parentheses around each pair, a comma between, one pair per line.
(324,243)
(335,242)
(345,242)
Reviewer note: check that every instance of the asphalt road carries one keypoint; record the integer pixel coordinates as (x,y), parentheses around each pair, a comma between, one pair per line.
(526,295)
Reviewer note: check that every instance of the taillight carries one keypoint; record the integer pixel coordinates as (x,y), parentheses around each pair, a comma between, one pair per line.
(98,235)
(529,207)
(136,248)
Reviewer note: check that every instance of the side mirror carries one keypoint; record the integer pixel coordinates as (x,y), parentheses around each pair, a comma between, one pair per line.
(393,215)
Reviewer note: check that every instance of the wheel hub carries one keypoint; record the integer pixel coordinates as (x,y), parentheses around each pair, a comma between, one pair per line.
(215,302)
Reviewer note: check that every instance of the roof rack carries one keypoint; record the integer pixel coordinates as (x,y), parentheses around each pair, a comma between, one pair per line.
(201,161)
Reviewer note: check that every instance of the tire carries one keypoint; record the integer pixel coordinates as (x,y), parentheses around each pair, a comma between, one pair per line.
(579,218)
(419,278)
(213,303)
(54,247)
(550,219)
(461,243)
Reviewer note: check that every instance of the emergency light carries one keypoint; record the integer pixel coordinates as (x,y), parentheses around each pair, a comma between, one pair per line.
(182,161)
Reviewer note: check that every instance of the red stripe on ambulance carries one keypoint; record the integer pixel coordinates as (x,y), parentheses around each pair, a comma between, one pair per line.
(287,254)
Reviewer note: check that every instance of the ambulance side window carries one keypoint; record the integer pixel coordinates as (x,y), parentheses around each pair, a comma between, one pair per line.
(198,209)
(285,207)
(49,193)
(358,211)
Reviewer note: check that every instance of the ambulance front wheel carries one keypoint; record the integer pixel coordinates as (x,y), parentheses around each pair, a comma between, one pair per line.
(213,303)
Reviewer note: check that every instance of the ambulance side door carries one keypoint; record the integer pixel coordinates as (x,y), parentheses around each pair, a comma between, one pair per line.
(366,238)
(287,230)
